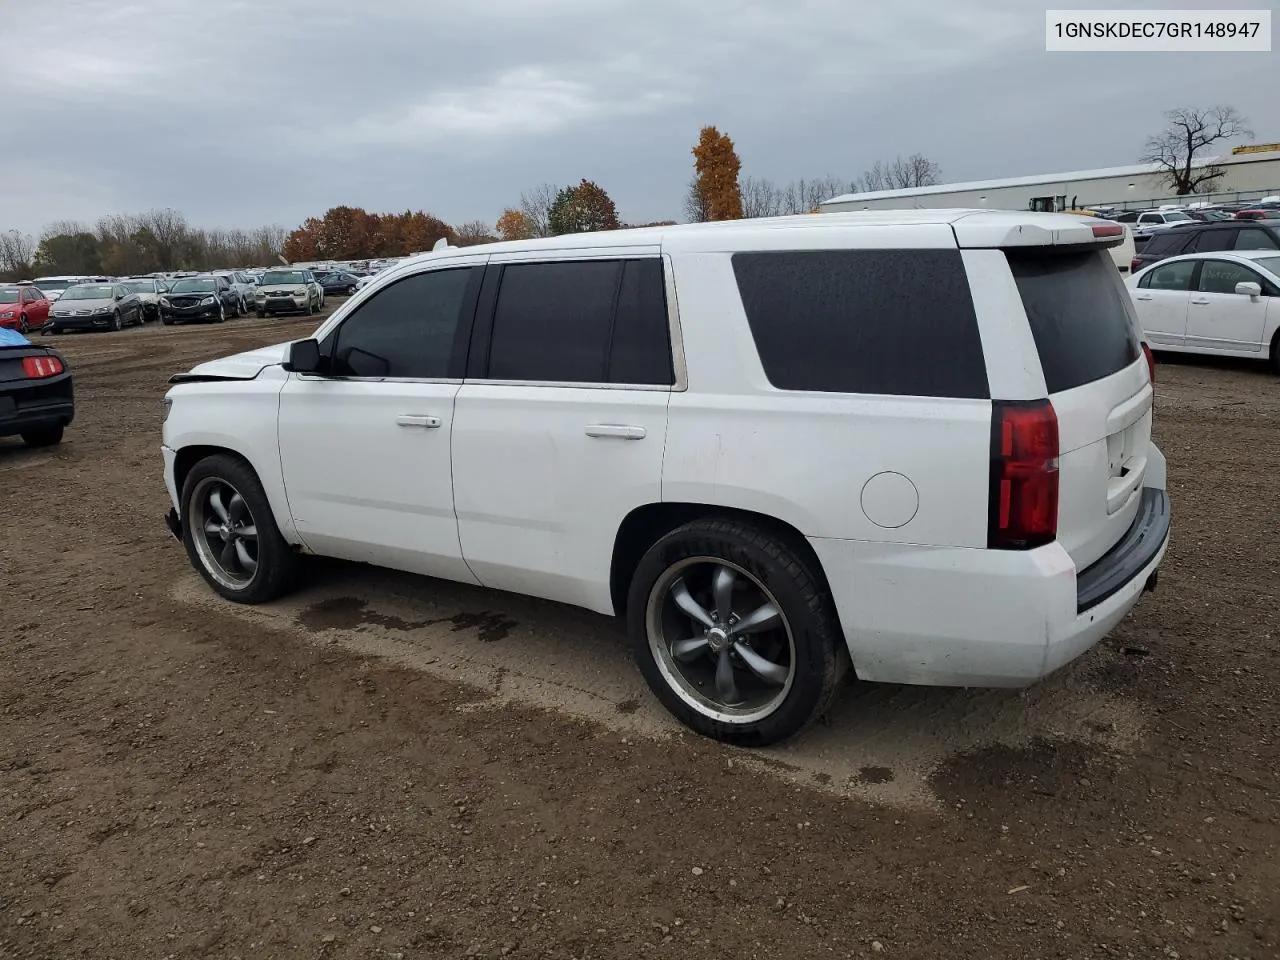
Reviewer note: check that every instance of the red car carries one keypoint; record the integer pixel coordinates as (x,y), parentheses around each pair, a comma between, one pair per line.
(23,307)
(1265,213)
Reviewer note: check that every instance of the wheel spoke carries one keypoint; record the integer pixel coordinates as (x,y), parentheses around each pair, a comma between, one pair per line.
(722,588)
(236,509)
(690,649)
(766,670)
(215,501)
(762,618)
(247,563)
(684,600)
(228,556)
(726,689)
(247,533)
(212,527)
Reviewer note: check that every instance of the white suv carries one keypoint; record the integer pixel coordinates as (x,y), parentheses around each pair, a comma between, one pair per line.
(914,442)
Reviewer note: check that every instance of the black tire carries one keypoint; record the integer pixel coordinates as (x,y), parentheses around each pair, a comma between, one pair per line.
(167,321)
(820,658)
(222,313)
(23,327)
(43,436)
(262,314)
(1275,354)
(277,562)
(117,322)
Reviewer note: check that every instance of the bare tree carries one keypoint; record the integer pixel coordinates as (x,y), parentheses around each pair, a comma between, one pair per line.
(760,197)
(695,204)
(17,252)
(804,196)
(474,232)
(536,206)
(1188,131)
(901,173)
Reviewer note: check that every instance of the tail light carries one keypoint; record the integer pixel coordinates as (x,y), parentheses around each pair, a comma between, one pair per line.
(36,368)
(1024,475)
(1135,264)
(1151,363)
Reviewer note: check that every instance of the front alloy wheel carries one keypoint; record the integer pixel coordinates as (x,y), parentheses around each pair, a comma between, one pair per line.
(224,533)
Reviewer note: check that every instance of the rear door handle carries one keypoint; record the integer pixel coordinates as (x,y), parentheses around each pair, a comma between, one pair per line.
(1144,298)
(619,430)
(417,420)
(1201,302)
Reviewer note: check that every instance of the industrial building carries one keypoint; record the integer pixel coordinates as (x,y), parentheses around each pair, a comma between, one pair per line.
(1251,173)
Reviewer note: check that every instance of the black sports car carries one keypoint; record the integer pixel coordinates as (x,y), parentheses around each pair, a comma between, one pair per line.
(338,284)
(36,398)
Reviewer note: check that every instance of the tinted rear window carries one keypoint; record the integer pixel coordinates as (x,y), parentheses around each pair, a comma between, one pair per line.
(1170,242)
(897,322)
(1080,314)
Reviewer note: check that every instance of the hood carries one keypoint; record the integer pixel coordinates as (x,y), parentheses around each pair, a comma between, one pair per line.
(239,366)
(94,306)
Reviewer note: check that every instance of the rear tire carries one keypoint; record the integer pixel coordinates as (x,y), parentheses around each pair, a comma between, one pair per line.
(266,567)
(1275,354)
(783,675)
(43,436)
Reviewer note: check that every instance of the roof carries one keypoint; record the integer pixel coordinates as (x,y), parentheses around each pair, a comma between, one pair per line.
(1102,173)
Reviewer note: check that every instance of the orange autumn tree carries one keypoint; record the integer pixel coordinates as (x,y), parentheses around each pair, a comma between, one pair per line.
(514,225)
(717,165)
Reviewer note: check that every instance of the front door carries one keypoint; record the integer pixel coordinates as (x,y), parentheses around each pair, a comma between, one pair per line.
(561,434)
(1161,299)
(1222,320)
(365,448)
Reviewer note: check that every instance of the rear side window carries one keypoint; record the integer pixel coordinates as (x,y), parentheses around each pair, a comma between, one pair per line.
(1166,243)
(1207,241)
(1255,238)
(895,322)
(1080,314)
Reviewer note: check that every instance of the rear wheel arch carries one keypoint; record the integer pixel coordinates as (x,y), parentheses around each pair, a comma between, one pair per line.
(1275,350)
(647,524)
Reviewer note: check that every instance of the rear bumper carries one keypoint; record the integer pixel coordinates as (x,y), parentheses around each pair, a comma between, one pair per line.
(34,405)
(970,617)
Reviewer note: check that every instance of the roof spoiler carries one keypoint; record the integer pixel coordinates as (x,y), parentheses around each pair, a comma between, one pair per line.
(1086,232)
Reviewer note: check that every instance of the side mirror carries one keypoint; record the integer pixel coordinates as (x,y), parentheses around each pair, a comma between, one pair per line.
(1249,289)
(304,357)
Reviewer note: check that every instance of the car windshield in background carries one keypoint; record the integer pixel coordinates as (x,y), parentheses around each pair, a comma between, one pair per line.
(1266,263)
(192,286)
(1173,217)
(53,286)
(88,291)
(8,294)
(282,276)
(140,286)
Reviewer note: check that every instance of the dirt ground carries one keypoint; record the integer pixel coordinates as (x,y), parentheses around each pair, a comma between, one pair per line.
(387,766)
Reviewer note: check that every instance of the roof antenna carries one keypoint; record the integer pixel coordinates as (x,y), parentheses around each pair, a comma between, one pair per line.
(441,244)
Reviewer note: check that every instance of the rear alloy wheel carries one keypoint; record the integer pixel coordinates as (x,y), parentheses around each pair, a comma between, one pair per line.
(230,532)
(734,632)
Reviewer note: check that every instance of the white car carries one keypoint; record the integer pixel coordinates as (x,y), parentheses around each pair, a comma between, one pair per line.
(54,287)
(149,291)
(1151,221)
(1223,303)
(917,442)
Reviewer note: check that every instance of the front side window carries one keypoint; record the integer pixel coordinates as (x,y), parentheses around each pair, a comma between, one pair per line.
(1221,276)
(1170,276)
(406,330)
(893,322)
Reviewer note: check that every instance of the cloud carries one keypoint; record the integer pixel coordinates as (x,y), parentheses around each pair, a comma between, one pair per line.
(241,112)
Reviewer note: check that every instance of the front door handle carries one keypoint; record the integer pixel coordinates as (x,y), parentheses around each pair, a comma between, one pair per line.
(417,420)
(1201,302)
(620,430)
(1144,298)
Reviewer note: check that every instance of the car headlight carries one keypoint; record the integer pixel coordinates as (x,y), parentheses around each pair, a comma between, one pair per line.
(166,405)
(261,295)
(7,315)
(300,293)
(207,302)
(164,302)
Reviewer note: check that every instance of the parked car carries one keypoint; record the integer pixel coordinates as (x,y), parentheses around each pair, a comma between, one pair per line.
(764,479)
(23,307)
(95,306)
(1207,238)
(1219,303)
(1150,221)
(244,286)
(37,402)
(53,287)
(149,291)
(199,298)
(288,291)
(339,284)
(1259,213)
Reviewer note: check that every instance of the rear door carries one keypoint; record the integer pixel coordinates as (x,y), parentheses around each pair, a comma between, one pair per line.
(1086,334)
(1162,299)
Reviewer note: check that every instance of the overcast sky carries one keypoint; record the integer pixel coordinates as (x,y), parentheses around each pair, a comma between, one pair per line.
(246,112)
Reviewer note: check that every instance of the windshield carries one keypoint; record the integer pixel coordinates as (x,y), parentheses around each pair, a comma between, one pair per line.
(9,295)
(1171,217)
(283,276)
(1266,263)
(52,286)
(88,291)
(192,286)
(140,286)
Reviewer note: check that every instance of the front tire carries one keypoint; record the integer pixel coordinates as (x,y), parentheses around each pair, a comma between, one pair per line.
(230,533)
(117,323)
(43,436)
(735,632)
(262,314)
